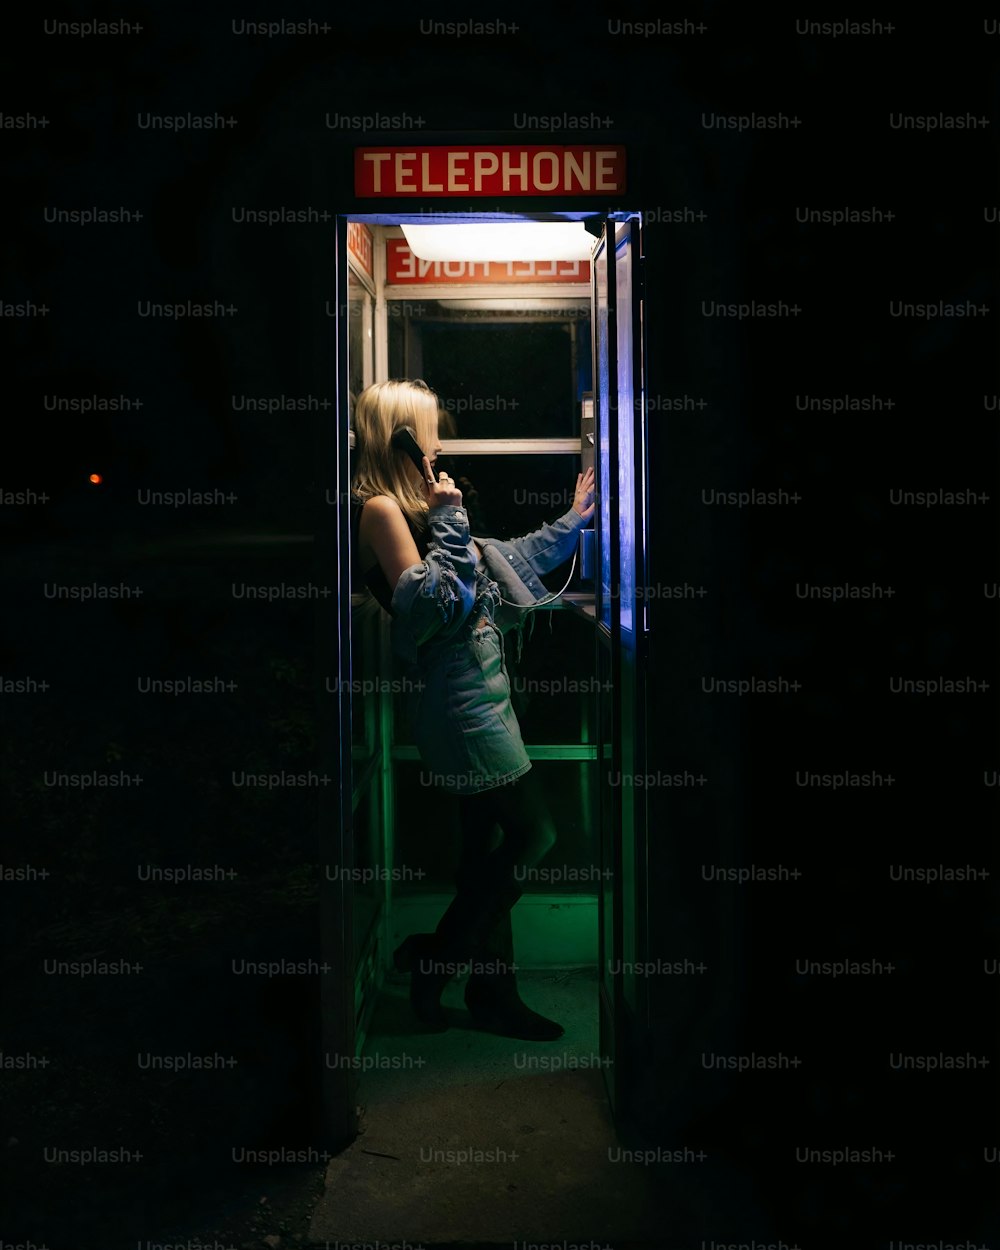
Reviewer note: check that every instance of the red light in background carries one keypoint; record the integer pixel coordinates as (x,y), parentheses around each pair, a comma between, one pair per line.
(96,479)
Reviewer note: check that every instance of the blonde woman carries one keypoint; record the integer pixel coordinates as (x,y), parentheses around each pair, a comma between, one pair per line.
(451,598)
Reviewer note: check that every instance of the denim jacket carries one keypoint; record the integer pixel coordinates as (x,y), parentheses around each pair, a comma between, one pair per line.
(433,599)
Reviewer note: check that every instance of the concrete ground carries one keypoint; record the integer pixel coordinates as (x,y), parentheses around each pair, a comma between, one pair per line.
(472,1139)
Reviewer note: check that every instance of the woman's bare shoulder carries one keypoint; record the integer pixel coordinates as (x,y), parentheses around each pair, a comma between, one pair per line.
(381,509)
(381,512)
(382,504)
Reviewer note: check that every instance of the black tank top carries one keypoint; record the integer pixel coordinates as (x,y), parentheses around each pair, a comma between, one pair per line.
(374,578)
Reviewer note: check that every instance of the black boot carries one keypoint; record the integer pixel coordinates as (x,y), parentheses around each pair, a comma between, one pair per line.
(496,1006)
(491,992)
(479,911)
(420,956)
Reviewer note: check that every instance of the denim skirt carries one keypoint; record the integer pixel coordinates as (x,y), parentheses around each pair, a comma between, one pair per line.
(460,714)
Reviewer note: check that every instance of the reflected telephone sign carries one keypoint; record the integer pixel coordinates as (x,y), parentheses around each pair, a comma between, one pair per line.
(403,268)
(360,246)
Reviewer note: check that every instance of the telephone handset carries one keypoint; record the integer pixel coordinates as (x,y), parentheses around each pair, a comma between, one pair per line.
(404,440)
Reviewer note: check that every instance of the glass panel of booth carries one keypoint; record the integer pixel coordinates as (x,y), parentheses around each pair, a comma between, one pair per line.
(604,447)
(360,360)
(360,334)
(367,631)
(500,368)
(626,417)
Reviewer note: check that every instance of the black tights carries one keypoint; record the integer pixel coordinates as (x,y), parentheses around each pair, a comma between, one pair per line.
(491,872)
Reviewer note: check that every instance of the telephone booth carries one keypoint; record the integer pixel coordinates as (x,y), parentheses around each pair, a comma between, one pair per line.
(508,274)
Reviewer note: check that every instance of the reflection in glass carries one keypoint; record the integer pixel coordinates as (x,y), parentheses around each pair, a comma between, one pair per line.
(359,335)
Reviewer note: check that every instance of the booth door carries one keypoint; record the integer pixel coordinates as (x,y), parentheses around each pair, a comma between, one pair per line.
(621,598)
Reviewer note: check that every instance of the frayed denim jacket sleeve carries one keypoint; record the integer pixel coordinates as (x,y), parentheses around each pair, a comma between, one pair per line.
(433,598)
(551,545)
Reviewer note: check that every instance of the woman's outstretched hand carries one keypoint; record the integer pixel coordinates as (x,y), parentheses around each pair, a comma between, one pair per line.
(583,500)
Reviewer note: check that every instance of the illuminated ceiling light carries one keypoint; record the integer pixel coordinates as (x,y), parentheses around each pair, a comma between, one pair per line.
(499,241)
(515,305)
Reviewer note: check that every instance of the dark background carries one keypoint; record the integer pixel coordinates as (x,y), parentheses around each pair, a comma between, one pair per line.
(939,435)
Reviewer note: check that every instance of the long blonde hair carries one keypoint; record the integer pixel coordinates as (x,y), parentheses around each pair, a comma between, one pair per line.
(379,412)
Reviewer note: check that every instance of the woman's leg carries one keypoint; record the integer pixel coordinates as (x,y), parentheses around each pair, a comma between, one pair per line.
(527,832)
(492,877)
(497,947)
